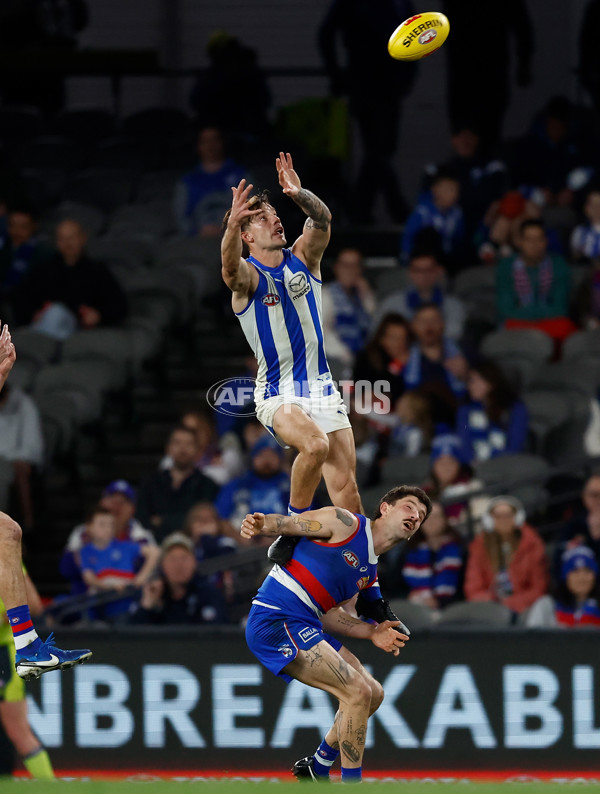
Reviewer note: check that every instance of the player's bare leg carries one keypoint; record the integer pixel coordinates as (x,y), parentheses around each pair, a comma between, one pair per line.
(324,668)
(376,693)
(298,430)
(339,471)
(12,581)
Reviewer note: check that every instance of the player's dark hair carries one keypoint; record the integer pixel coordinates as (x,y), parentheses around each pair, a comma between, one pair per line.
(531,223)
(255,202)
(399,492)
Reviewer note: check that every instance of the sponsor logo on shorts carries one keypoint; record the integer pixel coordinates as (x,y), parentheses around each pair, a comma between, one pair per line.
(428,36)
(351,558)
(270,299)
(286,651)
(307,634)
(362,582)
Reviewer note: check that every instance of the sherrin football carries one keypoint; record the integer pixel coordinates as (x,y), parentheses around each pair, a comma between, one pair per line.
(419,36)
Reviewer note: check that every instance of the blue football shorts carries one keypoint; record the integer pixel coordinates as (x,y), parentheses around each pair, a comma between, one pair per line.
(275,637)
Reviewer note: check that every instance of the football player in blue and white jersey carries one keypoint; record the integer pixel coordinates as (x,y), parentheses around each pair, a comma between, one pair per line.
(277,299)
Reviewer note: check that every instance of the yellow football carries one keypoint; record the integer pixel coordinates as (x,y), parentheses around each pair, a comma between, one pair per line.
(419,36)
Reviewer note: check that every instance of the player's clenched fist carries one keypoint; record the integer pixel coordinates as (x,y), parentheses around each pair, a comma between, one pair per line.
(252,525)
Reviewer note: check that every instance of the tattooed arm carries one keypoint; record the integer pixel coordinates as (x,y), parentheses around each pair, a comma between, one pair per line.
(317,229)
(383,635)
(329,524)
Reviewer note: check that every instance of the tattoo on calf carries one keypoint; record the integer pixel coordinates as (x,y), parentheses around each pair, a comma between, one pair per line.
(344,517)
(361,735)
(350,751)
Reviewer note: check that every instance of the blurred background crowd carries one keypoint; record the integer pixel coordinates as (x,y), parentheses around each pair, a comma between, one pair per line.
(470,288)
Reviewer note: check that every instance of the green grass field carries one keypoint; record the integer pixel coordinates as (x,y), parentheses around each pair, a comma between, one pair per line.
(244,787)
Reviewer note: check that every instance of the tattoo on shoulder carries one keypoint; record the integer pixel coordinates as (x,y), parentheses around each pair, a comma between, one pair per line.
(343,516)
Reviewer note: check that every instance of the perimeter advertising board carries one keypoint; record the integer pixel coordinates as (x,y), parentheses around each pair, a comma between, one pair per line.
(478,700)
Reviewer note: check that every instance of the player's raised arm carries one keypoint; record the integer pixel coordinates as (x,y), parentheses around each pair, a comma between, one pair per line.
(328,523)
(234,268)
(8,355)
(311,244)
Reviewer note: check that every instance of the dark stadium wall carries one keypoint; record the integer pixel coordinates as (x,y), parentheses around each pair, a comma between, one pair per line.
(264,25)
(503,700)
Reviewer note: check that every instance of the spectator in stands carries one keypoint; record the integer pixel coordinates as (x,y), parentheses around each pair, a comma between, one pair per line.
(585,240)
(209,532)
(119,498)
(450,479)
(498,235)
(479,67)
(533,288)
(412,431)
(264,488)
(231,64)
(483,178)
(376,86)
(203,195)
(493,421)
(348,305)
(165,498)
(583,528)
(212,537)
(385,356)
(218,461)
(111,564)
(438,208)
(507,560)
(22,446)
(436,365)
(21,251)
(576,599)
(178,595)
(73,291)
(556,144)
(432,567)
(427,284)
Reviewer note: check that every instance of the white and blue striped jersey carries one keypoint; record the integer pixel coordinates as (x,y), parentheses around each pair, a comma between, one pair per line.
(283,326)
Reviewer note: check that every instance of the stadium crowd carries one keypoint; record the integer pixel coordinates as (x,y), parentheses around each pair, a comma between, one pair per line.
(484,334)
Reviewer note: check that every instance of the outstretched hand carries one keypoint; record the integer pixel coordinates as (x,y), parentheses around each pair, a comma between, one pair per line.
(8,354)
(387,636)
(252,525)
(288,178)
(241,203)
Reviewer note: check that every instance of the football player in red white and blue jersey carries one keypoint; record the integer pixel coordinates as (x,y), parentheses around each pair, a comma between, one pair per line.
(277,299)
(296,605)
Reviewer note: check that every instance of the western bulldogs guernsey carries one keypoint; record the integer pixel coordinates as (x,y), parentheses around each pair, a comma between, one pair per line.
(283,326)
(321,575)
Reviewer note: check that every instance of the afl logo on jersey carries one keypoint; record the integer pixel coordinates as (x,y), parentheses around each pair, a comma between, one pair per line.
(351,558)
(298,285)
(270,299)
